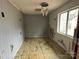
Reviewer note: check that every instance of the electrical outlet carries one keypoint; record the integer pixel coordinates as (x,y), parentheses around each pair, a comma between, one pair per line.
(20,33)
(11,46)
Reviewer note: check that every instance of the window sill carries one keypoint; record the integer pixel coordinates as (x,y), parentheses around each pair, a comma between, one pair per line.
(65,35)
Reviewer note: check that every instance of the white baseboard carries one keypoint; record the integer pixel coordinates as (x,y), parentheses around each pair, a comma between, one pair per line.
(36,37)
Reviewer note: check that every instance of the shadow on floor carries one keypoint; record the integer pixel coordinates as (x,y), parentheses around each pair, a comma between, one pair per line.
(60,52)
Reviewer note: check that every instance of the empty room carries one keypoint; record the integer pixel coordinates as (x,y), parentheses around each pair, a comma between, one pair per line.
(39,29)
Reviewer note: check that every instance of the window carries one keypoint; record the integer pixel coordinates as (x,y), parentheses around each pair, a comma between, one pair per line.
(67,22)
(63,21)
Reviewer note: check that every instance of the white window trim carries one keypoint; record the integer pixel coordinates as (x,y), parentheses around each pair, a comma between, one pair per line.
(58,21)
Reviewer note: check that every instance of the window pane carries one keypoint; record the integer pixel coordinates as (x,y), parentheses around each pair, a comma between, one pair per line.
(63,21)
(72,21)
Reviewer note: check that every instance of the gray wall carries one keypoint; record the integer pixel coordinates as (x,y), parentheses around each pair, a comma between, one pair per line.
(11,30)
(53,24)
(36,25)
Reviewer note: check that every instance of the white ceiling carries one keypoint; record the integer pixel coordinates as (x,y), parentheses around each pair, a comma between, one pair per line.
(29,6)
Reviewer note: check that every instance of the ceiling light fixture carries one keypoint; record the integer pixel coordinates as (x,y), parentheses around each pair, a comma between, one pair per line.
(44,8)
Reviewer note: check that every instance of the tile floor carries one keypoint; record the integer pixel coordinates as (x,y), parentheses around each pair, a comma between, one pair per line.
(40,48)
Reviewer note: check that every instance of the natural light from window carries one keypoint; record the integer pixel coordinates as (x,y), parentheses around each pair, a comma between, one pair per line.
(72,21)
(67,22)
(63,21)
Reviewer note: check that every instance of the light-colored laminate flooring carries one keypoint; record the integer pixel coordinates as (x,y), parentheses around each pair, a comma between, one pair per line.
(40,48)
